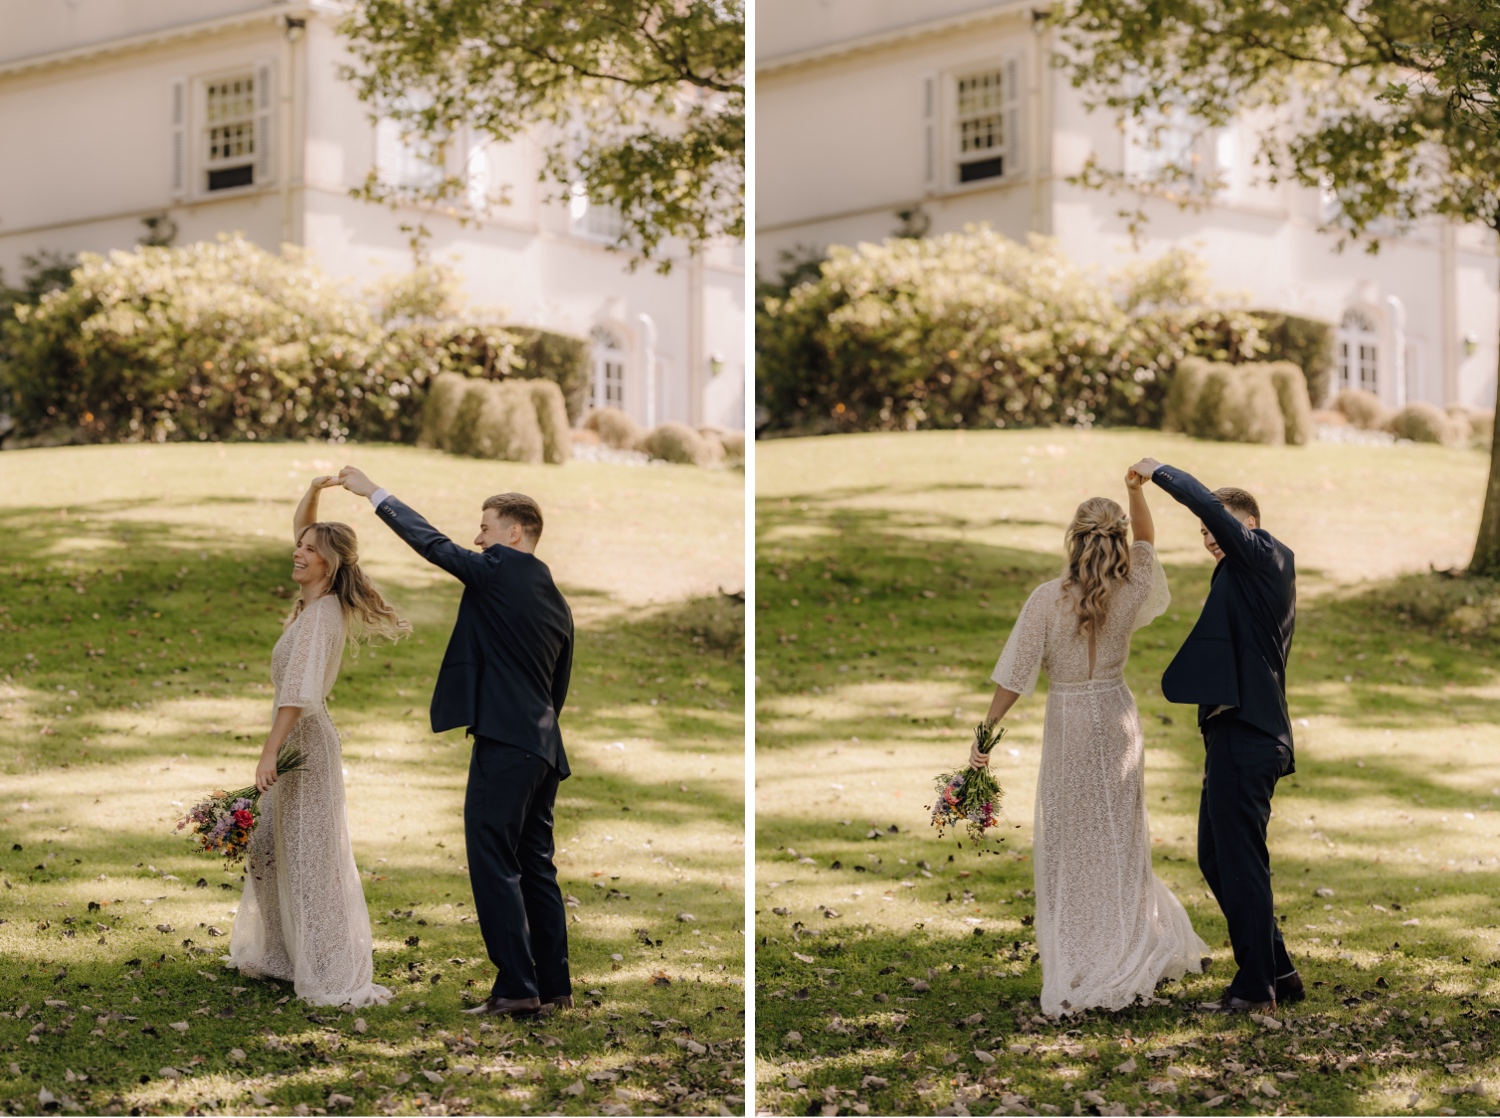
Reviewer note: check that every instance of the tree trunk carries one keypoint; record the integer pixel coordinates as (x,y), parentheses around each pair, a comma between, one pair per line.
(1486,560)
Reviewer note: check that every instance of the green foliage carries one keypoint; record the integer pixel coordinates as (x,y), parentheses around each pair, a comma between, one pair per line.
(637,104)
(1294,400)
(614,428)
(1183,390)
(440,408)
(1364,410)
(552,419)
(1422,422)
(496,419)
(974,330)
(561,358)
(1393,111)
(677,442)
(226,341)
(1305,342)
(1477,425)
(1239,405)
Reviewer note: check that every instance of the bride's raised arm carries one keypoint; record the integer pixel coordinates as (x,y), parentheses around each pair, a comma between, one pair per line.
(1142,528)
(307,508)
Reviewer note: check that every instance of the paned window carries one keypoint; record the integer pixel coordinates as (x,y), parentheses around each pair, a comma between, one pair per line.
(230,132)
(609,369)
(1358,353)
(983,123)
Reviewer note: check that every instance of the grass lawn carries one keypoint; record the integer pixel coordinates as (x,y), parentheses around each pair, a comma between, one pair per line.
(896,973)
(144,590)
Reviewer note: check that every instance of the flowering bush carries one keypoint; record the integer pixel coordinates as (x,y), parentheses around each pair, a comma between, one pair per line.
(223,340)
(974,330)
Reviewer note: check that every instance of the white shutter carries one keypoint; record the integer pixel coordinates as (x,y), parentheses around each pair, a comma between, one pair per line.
(179,138)
(265,108)
(930,131)
(1015,161)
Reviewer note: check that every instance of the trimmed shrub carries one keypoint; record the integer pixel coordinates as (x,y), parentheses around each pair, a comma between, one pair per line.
(1292,395)
(677,442)
(1364,410)
(1478,425)
(734,446)
(1422,422)
(974,330)
(561,358)
(441,405)
(1182,393)
(496,419)
(614,427)
(552,417)
(1239,404)
(1306,343)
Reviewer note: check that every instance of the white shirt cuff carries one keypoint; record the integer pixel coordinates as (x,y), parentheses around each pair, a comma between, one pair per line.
(378,496)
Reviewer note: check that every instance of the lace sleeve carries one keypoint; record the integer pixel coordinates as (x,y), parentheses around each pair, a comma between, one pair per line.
(1021,661)
(1146,573)
(319,633)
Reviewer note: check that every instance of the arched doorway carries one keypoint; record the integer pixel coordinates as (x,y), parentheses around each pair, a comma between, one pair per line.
(609,369)
(1358,352)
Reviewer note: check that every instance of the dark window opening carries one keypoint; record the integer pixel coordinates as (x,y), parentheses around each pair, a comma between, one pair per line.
(232,176)
(981,169)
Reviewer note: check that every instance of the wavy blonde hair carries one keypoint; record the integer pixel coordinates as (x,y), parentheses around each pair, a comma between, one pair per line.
(366,612)
(1098,559)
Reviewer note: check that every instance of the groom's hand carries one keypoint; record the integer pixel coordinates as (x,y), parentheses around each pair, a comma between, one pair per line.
(356,482)
(1145,468)
(977,760)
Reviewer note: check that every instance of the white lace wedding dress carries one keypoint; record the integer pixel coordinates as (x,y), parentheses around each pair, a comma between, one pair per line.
(303,917)
(1107,929)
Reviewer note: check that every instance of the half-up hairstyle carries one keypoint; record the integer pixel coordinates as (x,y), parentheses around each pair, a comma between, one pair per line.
(366,612)
(1098,559)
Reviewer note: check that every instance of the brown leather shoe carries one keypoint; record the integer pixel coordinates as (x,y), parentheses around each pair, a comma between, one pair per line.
(1240,1005)
(494,1005)
(562,1001)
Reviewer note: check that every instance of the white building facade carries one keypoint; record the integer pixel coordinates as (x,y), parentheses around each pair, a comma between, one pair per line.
(229,116)
(948,110)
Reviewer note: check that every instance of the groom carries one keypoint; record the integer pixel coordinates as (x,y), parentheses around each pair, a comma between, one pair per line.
(1233,665)
(504,678)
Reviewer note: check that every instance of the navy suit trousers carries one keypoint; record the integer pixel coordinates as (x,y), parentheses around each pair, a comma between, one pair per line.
(508,833)
(1241,768)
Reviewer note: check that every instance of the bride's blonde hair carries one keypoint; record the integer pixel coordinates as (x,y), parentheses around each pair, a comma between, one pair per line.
(1098,559)
(366,612)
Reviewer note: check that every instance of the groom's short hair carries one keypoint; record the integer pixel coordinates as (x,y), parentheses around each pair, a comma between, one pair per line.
(1237,500)
(520,509)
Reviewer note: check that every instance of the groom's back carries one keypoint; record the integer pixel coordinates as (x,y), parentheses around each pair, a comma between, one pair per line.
(505,674)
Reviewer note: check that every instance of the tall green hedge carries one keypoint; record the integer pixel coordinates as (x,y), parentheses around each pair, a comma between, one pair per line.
(1306,343)
(561,358)
(974,330)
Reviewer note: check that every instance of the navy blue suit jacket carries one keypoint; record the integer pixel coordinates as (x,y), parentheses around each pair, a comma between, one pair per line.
(505,674)
(1236,655)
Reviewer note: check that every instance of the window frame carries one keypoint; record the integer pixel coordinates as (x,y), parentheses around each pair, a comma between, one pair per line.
(1357,351)
(942,157)
(192,131)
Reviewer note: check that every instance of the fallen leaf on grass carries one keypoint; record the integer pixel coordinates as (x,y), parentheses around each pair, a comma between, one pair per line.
(1127,1068)
(793,1082)
(803,958)
(874,1083)
(983,1057)
(576,1088)
(402,1078)
(359,1025)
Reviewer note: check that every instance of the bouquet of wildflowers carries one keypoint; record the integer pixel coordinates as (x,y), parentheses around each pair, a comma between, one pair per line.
(970,797)
(222,823)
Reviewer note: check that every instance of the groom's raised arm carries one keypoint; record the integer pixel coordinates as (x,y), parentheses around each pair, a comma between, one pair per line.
(463,564)
(1239,543)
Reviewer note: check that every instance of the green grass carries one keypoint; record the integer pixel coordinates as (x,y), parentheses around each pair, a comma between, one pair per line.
(144,589)
(885,592)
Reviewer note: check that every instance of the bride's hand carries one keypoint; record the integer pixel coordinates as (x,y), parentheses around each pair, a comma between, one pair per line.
(327,481)
(265,774)
(978,760)
(1133,480)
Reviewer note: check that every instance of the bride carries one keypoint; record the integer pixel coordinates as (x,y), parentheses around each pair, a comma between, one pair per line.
(303,917)
(1107,929)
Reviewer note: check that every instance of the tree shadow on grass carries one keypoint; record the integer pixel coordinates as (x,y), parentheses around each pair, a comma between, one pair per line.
(84,937)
